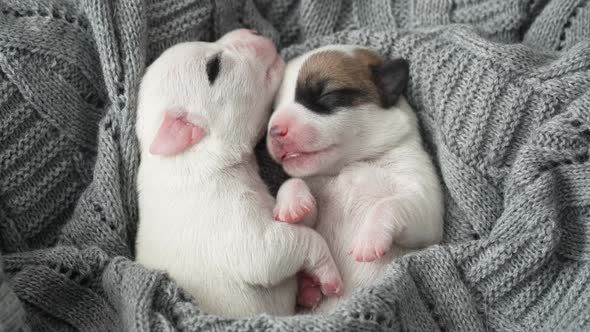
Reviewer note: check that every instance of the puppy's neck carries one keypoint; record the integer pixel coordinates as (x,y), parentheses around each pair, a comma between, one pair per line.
(220,156)
(205,161)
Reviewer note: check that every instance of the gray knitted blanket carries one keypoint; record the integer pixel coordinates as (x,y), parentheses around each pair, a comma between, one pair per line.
(502,91)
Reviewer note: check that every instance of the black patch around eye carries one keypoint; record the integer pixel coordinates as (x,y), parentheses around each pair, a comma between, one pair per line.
(311,94)
(213,66)
(339,98)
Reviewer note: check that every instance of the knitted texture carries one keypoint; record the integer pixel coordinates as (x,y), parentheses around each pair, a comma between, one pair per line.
(502,92)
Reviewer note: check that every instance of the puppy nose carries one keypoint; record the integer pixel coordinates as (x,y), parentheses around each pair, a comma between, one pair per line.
(263,47)
(277,131)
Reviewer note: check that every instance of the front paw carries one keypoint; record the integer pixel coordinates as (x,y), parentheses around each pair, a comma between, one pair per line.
(375,236)
(294,210)
(370,245)
(294,202)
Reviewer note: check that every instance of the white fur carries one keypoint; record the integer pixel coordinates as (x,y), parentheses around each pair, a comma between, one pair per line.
(377,188)
(205,214)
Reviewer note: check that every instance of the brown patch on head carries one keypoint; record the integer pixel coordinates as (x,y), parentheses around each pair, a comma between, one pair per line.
(338,70)
(333,80)
(367,57)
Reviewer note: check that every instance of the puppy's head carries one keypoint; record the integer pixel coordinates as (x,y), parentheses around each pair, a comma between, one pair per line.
(333,108)
(197,92)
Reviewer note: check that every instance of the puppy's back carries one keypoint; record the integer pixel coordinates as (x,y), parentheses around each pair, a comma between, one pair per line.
(200,236)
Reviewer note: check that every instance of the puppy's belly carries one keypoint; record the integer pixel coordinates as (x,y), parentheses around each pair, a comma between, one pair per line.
(338,224)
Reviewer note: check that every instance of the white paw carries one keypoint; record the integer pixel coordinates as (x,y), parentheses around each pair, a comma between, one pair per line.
(294,202)
(294,209)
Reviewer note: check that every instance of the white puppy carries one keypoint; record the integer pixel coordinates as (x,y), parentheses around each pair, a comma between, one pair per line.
(205,214)
(341,124)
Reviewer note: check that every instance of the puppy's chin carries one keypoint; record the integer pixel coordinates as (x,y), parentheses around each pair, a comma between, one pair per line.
(312,164)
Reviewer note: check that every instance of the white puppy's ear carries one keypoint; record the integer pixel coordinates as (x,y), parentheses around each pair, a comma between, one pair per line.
(176,134)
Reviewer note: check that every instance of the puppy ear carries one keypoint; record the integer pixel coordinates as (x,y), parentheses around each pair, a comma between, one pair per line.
(391,78)
(176,134)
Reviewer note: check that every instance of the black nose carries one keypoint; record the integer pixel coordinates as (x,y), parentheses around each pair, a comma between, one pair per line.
(256,33)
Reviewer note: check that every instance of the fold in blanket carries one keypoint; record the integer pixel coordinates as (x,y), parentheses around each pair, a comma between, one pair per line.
(501,89)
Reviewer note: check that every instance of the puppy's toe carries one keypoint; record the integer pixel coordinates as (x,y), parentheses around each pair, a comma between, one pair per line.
(294,210)
(367,248)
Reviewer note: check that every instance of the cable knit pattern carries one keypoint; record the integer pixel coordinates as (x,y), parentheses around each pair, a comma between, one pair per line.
(502,92)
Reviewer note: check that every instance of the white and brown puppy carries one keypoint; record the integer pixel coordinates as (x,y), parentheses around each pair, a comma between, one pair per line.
(342,125)
(205,214)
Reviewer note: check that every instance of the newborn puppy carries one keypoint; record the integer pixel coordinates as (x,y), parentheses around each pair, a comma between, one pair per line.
(342,125)
(205,216)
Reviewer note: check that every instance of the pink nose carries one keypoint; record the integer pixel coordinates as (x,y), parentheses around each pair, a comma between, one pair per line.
(246,37)
(278,131)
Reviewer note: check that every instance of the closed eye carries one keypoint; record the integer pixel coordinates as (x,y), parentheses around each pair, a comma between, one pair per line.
(339,98)
(213,67)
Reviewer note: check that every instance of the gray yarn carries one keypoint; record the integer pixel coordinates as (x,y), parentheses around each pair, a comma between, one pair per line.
(501,89)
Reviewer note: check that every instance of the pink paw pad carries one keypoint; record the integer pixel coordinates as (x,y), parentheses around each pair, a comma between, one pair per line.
(309,294)
(295,209)
(309,297)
